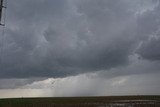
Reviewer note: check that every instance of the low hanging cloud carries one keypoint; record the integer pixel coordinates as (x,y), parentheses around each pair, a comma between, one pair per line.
(93,85)
(63,38)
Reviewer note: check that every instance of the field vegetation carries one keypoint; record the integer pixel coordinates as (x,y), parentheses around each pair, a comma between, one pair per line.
(75,101)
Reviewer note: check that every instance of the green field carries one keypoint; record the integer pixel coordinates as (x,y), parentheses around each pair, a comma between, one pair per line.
(71,101)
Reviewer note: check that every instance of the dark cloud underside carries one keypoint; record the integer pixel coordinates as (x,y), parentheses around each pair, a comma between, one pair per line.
(58,38)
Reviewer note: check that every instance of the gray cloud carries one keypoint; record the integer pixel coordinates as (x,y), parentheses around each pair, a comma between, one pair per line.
(61,38)
(136,66)
(16,83)
(150,49)
(149,28)
(93,85)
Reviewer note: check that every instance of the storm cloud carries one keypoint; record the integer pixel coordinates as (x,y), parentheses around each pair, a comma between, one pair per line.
(62,38)
(51,47)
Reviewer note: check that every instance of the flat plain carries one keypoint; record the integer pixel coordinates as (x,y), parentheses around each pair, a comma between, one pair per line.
(109,101)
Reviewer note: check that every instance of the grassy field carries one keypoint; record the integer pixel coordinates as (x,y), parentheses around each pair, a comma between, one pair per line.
(70,101)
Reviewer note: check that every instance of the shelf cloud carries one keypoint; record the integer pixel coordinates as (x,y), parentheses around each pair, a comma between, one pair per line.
(63,38)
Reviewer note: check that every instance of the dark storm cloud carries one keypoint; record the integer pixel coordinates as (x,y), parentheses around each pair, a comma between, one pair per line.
(60,38)
(16,83)
(150,49)
(150,27)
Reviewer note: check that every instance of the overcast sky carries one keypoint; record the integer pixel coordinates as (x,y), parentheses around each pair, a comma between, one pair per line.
(80,48)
